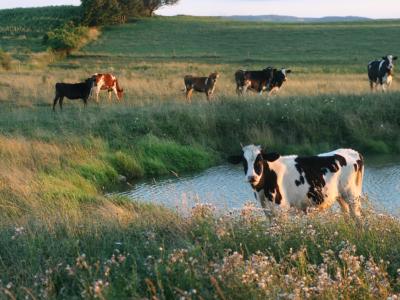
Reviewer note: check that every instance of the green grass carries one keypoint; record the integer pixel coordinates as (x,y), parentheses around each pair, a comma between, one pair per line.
(22,29)
(334,48)
(369,123)
(156,253)
(55,167)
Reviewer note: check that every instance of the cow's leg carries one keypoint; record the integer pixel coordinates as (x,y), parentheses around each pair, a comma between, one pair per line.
(109,95)
(208,94)
(268,208)
(61,102)
(55,102)
(355,206)
(115,92)
(189,93)
(371,84)
(245,87)
(353,200)
(85,102)
(344,206)
(239,90)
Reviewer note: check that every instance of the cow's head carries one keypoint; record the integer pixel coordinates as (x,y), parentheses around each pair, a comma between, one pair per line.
(90,83)
(389,62)
(280,76)
(120,92)
(213,77)
(211,80)
(254,161)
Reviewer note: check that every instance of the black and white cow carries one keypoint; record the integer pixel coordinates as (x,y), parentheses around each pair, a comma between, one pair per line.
(279,77)
(381,72)
(269,79)
(303,182)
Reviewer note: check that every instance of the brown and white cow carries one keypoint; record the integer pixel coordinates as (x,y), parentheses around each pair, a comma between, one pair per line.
(107,82)
(269,80)
(281,182)
(200,84)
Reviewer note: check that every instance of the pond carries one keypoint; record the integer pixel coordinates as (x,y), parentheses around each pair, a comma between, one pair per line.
(224,187)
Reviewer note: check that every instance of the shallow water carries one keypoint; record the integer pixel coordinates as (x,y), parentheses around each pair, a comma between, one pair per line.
(224,187)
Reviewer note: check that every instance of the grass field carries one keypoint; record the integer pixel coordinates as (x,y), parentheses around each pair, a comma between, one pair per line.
(60,238)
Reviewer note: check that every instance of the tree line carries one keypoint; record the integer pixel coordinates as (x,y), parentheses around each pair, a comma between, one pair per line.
(105,12)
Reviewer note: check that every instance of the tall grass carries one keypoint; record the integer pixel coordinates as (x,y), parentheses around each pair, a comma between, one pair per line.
(127,250)
(61,238)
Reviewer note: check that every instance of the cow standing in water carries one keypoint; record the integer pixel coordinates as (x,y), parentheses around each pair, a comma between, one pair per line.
(303,182)
(200,84)
(381,72)
(109,83)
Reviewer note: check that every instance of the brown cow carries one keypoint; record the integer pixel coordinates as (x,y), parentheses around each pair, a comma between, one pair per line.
(200,84)
(107,82)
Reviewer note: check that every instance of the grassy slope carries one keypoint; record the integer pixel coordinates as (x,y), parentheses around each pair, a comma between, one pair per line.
(22,29)
(54,167)
(305,47)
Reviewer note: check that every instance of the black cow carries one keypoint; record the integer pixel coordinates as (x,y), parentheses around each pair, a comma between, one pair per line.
(269,79)
(381,72)
(73,91)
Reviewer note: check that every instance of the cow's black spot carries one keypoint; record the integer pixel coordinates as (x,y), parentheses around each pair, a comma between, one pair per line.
(258,164)
(245,166)
(301,181)
(269,183)
(314,168)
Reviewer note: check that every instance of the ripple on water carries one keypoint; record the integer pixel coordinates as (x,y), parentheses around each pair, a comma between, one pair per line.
(224,187)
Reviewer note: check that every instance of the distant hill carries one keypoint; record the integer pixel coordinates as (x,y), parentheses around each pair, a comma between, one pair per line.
(291,19)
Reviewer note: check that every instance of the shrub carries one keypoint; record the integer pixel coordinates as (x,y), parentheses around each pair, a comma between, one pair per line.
(5,60)
(66,38)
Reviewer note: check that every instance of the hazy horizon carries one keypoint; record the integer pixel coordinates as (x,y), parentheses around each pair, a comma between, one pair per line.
(298,8)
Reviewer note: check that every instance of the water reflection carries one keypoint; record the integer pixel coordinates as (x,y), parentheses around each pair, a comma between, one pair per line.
(224,187)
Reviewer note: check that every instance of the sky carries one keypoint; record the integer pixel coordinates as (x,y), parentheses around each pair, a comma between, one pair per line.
(299,8)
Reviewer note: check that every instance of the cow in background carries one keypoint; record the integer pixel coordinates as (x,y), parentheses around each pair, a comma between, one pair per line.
(73,91)
(269,80)
(381,72)
(200,84)
(109,83)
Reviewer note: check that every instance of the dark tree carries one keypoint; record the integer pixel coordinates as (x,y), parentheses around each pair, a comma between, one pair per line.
(102,12)
(132,8)
(152,5)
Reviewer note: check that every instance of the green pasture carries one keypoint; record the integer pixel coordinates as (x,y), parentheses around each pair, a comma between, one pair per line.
(61,237)
(333,48)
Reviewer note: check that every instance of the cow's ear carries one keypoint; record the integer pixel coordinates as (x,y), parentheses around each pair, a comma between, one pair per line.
(288,71)
(395,58)
(384,57)
(235,159)
(271,157)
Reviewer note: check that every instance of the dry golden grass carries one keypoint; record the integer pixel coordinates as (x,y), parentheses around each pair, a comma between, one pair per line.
(159,82)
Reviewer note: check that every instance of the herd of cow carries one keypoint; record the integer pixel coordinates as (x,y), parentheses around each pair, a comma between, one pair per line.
(380,72)
(278,181)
